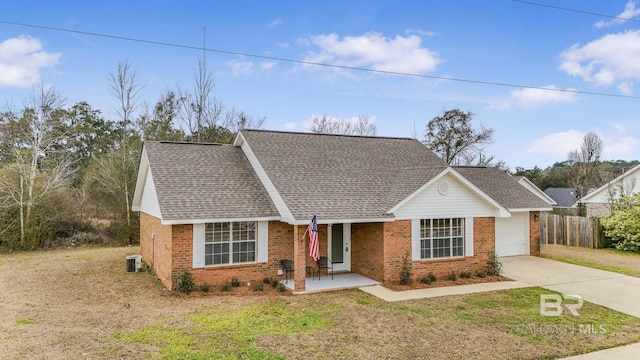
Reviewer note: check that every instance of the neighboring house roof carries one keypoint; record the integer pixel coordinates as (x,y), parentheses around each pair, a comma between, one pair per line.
(629,181)
(564,196)
(205,181)
(340,176)
(504,188)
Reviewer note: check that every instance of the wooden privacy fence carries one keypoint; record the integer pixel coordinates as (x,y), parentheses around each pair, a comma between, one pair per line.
(571,230)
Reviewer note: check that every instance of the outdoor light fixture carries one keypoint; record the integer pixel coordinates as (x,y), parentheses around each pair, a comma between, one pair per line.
(536,217)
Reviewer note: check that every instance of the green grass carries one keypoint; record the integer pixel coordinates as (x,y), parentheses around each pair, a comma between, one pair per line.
(591,264)
(272,329)
(25,321)
(221,334)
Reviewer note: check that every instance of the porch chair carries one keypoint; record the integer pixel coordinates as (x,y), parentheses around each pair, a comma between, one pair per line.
(325,263)
(287,267)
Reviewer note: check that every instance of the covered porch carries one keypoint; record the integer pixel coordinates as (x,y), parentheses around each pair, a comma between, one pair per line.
(326,283)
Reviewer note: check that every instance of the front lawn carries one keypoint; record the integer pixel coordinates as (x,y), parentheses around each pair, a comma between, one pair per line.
(82,304)
(615,260)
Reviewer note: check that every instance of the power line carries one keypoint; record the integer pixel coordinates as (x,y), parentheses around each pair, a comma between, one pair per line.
(304,62)
(575,10)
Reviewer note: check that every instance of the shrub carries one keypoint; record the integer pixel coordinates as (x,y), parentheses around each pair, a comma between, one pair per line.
(280,287)
(406,271)
(432,277)
(184,282)
(225,287)
(465,274)
(204,287)
(623,227)
(426,280)
(266,280)
(235,282)
(274,283)
(494,266)
(481,274)
(258,286)
(452,276)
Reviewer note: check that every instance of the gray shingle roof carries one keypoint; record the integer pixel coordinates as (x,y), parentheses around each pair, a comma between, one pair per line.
(502,187)
(564,196)
(206,181)
(342,177)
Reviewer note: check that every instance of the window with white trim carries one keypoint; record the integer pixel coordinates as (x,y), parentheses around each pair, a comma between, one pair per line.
(230,243)
(441,238)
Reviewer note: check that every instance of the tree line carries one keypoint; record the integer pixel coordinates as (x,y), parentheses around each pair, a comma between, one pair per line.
(67,174)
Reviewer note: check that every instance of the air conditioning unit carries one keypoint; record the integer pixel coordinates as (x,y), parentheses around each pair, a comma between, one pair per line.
(134,263)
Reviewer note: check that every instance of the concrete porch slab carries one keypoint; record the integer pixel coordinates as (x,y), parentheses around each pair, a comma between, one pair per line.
(339,281)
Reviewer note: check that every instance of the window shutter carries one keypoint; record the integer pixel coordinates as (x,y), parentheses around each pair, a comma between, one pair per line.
(198,246)
(468,236)
(415,240)
(263,241)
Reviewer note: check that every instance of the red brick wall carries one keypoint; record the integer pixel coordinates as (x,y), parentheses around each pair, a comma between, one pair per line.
(156,252)
(367,250)
(280,247)
(397,243)
(534,233)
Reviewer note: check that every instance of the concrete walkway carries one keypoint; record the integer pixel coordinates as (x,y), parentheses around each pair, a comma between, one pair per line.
(613,290)
(390,295)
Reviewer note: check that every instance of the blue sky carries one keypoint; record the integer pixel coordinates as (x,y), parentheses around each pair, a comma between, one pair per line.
(495,41)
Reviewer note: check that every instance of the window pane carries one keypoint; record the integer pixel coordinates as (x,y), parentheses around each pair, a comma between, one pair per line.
(251,230)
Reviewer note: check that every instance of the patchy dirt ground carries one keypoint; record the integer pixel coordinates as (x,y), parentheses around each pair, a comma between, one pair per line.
(81,304)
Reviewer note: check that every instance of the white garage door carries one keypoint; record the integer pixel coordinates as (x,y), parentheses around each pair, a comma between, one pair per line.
(512,235)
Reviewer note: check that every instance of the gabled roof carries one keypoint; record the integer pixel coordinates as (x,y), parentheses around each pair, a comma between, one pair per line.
(522,180)
(504,188)
(204,182)
(604,189)
(339,176)
(564,196)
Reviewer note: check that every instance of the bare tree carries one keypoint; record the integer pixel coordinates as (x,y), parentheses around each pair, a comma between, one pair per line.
(361,126)
(451,136)
(201,111)
(30,139)
(126,88)
(586,172)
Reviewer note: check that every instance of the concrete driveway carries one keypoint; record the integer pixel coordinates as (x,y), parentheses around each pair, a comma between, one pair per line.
(615,291)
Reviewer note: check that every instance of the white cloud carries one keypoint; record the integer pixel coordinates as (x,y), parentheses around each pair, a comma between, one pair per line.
(22,59)
(374,51)
(534,98)
(612,58)
(557,144)
(290,125)
(617,147)
(268,65)
(275,23)
(626,87)
(619,128)
(629,12)
(418,32)
(240,67)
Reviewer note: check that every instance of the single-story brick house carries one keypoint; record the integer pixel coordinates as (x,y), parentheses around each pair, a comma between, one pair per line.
(238,209)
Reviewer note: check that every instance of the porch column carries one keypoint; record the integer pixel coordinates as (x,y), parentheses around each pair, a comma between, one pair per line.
(300,261)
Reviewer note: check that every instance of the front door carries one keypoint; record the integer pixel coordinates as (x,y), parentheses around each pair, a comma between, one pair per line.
(339,246)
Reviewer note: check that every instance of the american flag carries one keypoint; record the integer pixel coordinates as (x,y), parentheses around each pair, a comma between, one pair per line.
(314,247)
